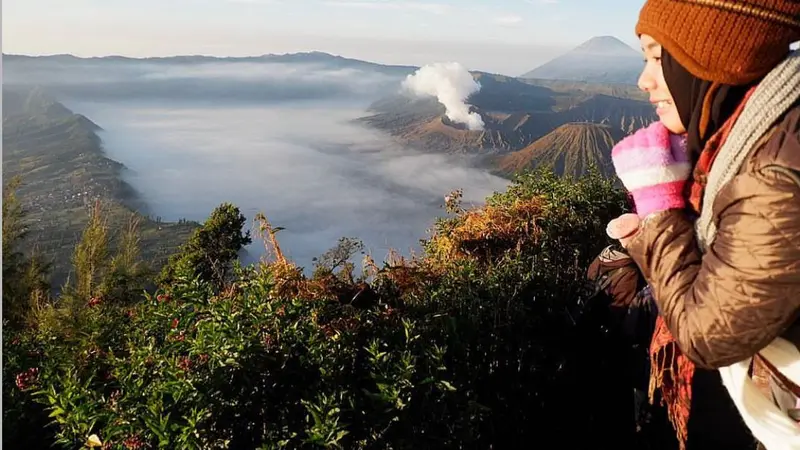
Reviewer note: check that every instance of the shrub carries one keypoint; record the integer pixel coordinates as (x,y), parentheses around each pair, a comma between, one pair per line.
(212,248)
(483,341)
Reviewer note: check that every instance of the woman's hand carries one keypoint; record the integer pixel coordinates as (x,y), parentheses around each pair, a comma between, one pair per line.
(623,228)
(654,166)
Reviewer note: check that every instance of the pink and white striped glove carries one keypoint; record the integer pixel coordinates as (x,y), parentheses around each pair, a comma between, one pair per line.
(654,166)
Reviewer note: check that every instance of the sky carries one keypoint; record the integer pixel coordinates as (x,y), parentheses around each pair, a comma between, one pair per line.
(504,36)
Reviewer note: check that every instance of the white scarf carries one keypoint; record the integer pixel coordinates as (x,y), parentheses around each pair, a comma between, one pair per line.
(779,90)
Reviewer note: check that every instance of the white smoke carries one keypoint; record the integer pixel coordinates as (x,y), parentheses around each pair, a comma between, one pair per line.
(451,84)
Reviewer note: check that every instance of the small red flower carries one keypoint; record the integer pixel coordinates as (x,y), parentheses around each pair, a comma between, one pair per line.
(133,443)
(94,301)
(185,363)
(175,323)
(202,359)
(163,298)
(329,331)
(27,379)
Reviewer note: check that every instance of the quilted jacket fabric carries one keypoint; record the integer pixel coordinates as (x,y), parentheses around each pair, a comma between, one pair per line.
(724,306)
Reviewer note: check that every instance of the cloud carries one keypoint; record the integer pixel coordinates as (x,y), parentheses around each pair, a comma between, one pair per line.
(242,81)
(451,84)
(433,8)
(306,166)
(195,135)
(507,20)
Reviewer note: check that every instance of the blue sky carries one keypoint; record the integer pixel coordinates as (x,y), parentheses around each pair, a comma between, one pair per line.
(506,36)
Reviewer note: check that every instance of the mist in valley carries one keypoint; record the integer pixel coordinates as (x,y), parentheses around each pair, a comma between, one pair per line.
(273,138)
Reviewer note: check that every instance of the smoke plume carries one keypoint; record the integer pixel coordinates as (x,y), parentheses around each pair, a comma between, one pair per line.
(451,84)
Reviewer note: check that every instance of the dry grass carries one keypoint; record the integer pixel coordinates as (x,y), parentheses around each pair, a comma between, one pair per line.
(488,232)
(483,234)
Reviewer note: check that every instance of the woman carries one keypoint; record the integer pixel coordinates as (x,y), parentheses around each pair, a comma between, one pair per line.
(719,249)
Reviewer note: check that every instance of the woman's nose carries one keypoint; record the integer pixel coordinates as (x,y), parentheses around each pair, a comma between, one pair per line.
(646,81)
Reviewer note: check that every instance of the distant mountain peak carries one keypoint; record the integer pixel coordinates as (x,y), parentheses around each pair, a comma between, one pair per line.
(605,45)
(602,59)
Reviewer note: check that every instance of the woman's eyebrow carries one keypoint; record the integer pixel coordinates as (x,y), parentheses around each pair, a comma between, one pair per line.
(651,46)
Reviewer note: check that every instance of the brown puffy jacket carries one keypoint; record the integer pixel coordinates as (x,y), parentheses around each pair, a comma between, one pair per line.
(726,305)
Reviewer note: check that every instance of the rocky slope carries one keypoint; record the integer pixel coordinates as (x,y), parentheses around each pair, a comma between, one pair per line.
(569,149)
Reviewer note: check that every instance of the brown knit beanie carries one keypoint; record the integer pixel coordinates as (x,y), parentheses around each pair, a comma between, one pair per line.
(727,41)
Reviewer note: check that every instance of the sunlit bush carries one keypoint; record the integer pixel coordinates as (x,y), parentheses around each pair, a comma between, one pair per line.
(482,341)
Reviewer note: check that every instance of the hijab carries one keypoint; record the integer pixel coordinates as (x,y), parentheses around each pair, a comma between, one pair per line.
(702,105)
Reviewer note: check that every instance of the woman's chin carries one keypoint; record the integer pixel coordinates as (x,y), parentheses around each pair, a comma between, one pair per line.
(673,124)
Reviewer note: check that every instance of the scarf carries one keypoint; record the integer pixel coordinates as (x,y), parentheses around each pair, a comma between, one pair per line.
(710,110)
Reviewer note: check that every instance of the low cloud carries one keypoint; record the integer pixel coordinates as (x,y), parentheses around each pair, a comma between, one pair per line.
(304,162)
(255,80)
(307,167)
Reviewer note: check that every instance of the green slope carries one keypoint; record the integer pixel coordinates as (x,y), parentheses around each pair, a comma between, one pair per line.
(64,172)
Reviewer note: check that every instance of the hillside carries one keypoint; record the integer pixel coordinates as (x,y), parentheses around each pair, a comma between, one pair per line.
(515,113)
(63,171)
(603,59)
(569,150)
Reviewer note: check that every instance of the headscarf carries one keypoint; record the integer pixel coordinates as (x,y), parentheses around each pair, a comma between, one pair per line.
(703,106)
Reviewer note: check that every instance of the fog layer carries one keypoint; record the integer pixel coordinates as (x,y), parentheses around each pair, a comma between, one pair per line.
(272,138)
(305,166)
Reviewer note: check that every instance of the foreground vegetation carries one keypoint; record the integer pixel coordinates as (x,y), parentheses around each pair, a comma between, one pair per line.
(486,340)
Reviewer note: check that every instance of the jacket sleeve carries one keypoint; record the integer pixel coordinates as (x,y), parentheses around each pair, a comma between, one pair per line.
(724,306)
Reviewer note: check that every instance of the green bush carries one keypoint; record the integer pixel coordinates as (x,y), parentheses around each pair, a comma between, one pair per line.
(483,341)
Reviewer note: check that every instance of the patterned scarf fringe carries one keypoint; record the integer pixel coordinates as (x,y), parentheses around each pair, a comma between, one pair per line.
(671,372)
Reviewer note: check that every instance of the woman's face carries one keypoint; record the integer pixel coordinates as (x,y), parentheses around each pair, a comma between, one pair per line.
(652,81)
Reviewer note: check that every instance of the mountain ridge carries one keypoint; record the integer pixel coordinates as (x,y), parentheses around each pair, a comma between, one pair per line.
(292,57)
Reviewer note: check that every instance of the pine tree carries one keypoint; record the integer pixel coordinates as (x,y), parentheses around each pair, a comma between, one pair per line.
(211,250)
(89,257)
(127,273)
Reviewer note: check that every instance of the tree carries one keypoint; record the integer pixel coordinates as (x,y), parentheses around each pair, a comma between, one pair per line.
(211,250)
(25,278)
(338,257)
(89,257)
(127,273)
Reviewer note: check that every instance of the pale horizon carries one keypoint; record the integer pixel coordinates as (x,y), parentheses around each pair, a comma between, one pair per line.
(508,37)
